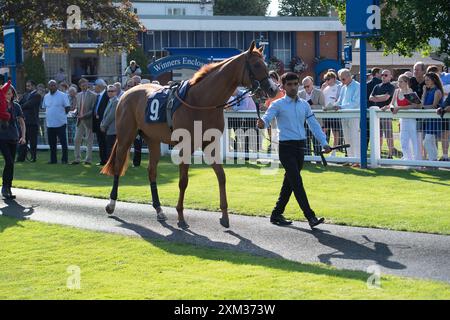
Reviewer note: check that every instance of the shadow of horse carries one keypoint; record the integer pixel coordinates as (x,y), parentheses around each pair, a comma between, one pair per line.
(352,250)
(262,257)
(14,210)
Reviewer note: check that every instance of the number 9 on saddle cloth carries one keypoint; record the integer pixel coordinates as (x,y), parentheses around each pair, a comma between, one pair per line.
(162,104)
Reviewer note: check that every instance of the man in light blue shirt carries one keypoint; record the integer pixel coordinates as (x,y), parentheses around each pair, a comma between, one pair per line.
(349,99)
(291,113)
(56,105)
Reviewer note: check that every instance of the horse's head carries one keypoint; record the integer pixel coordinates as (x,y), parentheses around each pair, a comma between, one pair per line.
(257,73)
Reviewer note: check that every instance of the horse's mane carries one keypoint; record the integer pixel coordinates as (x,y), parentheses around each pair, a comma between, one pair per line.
(204,71)
(207,69)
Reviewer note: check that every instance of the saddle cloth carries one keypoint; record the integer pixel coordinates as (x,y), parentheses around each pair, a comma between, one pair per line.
(162,104)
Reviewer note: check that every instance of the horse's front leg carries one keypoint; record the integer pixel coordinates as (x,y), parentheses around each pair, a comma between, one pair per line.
(220,173)
(183,183)
(155,155)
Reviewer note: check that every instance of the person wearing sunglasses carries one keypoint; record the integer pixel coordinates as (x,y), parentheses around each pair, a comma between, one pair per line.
(108,124)
(316,99)
(291,113)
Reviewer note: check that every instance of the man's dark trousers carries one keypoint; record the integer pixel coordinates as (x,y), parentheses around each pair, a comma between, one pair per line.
(292,154)
(102,147)
(137,151)
(31,136)
(53,135)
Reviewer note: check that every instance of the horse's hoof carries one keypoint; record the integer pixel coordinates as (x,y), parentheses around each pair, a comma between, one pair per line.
(160,216)
(225,223)
(109,209)
(182,225)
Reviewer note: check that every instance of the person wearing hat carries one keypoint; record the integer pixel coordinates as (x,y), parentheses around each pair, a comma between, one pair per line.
(97,117)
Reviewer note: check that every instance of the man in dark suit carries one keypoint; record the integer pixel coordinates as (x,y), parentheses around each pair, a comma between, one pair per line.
(30,108)
(97,117)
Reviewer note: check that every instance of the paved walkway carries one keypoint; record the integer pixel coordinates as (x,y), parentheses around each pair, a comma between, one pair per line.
(398,253)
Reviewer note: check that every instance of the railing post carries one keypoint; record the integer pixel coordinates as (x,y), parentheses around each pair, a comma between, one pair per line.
(375,147)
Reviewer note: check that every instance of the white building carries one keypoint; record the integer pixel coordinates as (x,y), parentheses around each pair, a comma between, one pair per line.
(174,7)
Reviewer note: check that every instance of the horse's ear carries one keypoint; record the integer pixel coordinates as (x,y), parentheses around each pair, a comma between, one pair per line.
(252,46)
(261,49)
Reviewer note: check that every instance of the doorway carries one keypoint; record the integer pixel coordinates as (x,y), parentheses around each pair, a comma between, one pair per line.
(84,64)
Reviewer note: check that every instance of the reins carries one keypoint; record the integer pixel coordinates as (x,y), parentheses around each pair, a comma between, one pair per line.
(255,87)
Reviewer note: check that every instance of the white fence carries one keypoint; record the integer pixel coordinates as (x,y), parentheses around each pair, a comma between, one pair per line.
(242,140)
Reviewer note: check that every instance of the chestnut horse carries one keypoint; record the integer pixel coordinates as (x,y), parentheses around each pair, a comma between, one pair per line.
(211,87)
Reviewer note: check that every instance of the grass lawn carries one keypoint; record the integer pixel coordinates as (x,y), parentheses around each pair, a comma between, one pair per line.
(35,258)
(384,198)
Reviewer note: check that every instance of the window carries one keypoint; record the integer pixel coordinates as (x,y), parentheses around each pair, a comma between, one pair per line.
(176,11)
(281,42)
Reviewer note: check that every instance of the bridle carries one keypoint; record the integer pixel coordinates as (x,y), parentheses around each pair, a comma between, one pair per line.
(256,85)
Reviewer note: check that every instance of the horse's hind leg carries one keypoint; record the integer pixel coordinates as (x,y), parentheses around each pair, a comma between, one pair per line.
(117,163)
(111,206)
(183,183)
(155,155)
(220,173)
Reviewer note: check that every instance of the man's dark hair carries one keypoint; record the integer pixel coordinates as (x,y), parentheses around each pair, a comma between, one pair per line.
(288,76)
(32,83)
(375,71)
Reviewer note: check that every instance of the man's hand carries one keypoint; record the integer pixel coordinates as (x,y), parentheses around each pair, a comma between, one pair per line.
(326,149)
(22,140)
(337,108)
(260,124)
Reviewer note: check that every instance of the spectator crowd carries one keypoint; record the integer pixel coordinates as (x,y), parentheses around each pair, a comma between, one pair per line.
(93,107)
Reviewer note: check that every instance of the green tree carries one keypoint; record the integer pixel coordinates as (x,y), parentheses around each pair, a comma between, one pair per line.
(34,68)
(408,25)
(241,7)
(46,22)
(302,8)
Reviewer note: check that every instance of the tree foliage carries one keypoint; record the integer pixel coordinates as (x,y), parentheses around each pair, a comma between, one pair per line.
(241,7)
(34,68)
(408,25)
(45,22)
(302,8)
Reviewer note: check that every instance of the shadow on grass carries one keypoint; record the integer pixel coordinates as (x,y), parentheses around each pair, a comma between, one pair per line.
(239,252)
(15,212)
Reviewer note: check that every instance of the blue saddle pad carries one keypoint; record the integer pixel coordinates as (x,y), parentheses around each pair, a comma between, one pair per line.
(156,107)
(156,111)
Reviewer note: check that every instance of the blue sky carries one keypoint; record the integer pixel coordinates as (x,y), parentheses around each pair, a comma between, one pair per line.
(273,8)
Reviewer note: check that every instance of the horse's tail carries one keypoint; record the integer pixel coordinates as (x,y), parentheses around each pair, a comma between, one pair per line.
(114,167)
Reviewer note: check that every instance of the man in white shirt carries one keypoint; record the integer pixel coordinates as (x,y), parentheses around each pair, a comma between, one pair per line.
(349,99)
(56,105)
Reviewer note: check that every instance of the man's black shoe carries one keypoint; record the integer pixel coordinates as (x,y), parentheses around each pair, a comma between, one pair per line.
(7,194)
(75,162)
(10,195)
(280,221)
(313,221)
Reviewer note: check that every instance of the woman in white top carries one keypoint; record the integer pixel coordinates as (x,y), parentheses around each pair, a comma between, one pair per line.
(408,127)
(331,90)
